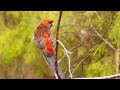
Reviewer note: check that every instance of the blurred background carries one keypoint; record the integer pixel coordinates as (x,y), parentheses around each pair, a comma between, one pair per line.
(91,57)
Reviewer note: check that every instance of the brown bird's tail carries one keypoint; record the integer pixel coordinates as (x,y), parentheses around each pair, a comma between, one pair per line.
(51,62)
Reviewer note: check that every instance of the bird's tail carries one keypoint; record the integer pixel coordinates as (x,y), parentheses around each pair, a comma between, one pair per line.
(51,62)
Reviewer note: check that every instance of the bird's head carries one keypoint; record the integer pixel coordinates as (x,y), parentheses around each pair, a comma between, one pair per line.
(47,23)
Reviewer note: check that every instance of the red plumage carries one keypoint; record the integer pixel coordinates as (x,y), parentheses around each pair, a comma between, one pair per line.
(43,40)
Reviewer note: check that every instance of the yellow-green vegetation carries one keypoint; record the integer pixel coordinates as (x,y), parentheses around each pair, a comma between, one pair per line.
(20,58)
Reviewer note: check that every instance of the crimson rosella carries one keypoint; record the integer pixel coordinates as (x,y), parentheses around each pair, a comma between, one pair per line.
(44,41)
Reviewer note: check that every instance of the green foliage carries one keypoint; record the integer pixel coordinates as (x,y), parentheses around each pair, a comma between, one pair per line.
(101,68)
(16,42)
(99,51)
(20,58)
(114,33)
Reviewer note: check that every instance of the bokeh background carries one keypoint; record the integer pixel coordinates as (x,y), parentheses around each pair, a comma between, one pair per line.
(20,58)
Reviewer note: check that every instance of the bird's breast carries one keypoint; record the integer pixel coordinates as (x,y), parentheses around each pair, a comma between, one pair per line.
(48,46)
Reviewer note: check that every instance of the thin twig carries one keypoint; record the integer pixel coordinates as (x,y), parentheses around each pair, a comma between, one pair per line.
(70,50)
(100,36)
(81,42)
(83,60)
(109,24)
(86,14)
(98,16)
(104,77)
(76,46)
(104,39)
(57,35)
(66,53)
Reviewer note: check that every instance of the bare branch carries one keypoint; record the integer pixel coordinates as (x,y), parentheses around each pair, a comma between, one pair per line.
(83,60)
(100,36)
(110,45)
(104,77)
(81,43)
(57,35)
(76,46)
(85,13)
(109,24)
(98,16)
(66,53)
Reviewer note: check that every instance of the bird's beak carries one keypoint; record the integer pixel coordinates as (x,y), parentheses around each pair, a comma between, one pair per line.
(52,24)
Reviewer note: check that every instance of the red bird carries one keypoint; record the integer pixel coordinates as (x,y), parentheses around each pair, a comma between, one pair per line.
(44,41)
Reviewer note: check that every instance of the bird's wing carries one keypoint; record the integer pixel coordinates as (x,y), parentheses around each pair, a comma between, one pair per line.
(39,38)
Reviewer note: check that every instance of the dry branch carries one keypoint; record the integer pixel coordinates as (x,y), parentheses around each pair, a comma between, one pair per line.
(100,36)
(104,77)
(57,34)
(66,53)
